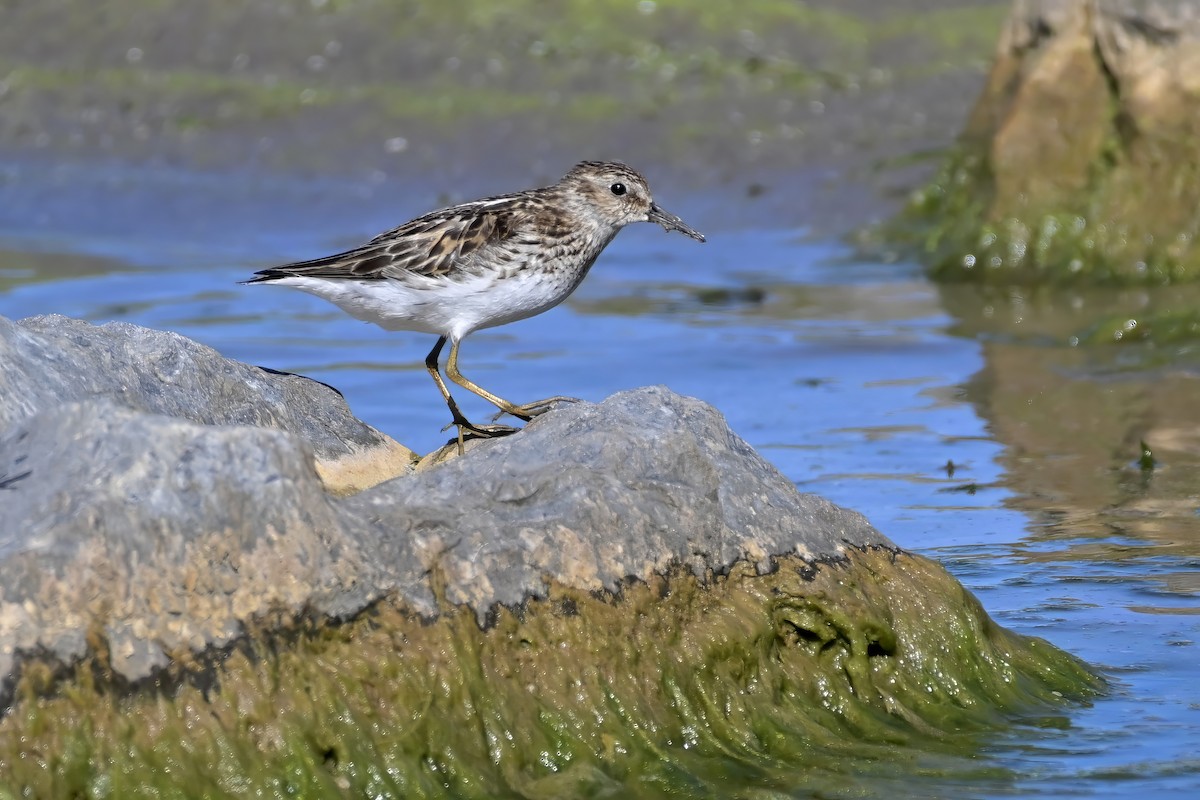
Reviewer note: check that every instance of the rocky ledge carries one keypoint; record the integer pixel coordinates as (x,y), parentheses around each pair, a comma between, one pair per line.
(163,508)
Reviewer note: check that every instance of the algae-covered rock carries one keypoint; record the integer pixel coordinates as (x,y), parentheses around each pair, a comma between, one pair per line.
(1081,161)
(622,599)
(46,361)
(865,677)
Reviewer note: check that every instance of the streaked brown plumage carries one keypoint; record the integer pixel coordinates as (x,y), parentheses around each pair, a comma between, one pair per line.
(481,264)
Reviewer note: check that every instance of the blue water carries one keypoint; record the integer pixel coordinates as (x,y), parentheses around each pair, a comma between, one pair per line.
(850,376)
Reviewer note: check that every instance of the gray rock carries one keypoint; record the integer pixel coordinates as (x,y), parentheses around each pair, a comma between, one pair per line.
(162,536)
(591,495)
(166,539)
(46,361)
(162,499)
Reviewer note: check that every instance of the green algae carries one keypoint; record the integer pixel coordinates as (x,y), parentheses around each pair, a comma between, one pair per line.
(951,226)
(242,97)
(504,55)
(842,678)
(964,31)
(1162,327)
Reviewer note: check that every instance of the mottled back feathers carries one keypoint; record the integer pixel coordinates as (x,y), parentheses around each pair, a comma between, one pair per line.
(559,227)
(431,246)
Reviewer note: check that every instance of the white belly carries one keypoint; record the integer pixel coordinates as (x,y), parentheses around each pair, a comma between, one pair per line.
(445,308)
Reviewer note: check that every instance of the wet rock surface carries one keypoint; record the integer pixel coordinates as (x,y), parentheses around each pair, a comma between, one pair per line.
(138,519)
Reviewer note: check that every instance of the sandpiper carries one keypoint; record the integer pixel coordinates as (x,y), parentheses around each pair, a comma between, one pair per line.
(482,264)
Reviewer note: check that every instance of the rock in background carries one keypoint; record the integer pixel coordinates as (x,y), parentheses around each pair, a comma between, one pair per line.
(1081,160)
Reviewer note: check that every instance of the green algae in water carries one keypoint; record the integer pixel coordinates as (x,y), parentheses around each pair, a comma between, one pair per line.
(858,676)
(1160,326)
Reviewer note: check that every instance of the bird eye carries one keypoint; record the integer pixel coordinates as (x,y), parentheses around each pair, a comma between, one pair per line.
(618,189)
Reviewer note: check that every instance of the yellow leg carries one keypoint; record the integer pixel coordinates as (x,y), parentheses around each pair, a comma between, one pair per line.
(461,422)
(525,412)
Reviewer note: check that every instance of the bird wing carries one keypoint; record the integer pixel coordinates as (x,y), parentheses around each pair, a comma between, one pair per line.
(434,245)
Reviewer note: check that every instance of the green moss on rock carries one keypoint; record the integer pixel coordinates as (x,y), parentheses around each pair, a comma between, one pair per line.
(1079,164)
(953,226)
(803,677)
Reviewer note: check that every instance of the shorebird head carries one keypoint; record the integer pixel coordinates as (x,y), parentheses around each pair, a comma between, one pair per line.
(619,195)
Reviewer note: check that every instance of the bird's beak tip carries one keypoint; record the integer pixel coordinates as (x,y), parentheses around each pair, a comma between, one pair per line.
(670,222)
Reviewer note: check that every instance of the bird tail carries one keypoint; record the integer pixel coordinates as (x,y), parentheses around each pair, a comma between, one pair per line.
(327,266)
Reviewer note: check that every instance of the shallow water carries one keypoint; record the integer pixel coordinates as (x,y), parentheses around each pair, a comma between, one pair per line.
(967,425)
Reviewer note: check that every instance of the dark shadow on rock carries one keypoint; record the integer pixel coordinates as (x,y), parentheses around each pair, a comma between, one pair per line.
(282,374)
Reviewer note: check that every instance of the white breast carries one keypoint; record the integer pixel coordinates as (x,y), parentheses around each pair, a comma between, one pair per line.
(445,308)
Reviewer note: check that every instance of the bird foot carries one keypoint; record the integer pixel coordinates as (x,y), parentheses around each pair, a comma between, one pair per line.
(536,408)
(470,430)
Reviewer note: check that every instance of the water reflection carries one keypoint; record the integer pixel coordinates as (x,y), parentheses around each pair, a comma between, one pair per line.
(1073,413)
